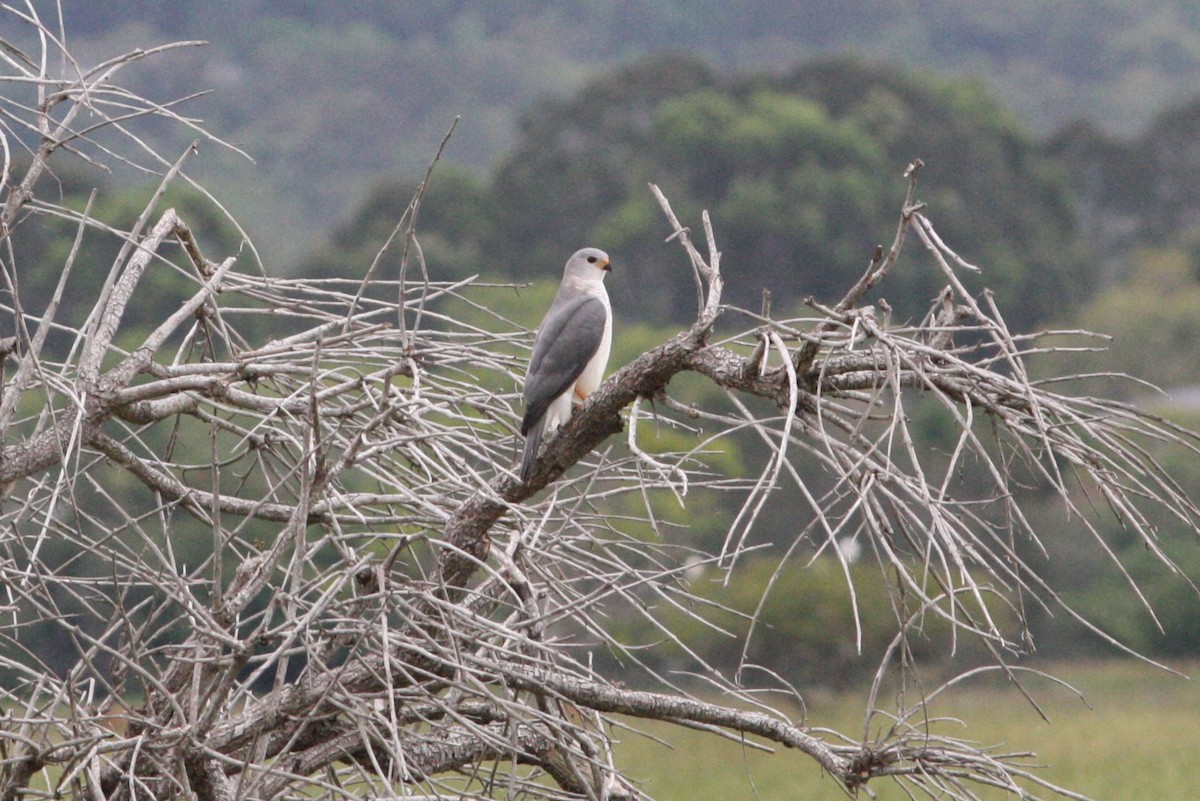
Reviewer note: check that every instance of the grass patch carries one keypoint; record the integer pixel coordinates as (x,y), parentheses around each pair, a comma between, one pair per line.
(1136,741)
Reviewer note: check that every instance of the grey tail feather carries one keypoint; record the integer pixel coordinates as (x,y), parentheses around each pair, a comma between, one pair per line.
(533,441)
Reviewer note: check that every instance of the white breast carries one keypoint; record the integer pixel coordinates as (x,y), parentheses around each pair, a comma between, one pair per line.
(559,411)
(593,374)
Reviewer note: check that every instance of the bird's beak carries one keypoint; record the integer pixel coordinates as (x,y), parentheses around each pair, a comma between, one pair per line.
(604,265)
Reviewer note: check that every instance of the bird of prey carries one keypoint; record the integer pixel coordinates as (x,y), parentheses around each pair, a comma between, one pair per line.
(570,352)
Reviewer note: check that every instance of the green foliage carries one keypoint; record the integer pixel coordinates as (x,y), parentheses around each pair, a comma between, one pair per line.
(164,285)
(455,224)
(575,161)
(799,172)
(325,100)
(810,627)
(1152,319)
(990,190)
(1141,192)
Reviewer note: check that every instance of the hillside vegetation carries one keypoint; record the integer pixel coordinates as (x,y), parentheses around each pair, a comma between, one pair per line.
(326,97)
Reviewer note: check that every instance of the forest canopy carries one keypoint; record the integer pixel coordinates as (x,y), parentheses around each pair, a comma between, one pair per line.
(371,92)
(795,167)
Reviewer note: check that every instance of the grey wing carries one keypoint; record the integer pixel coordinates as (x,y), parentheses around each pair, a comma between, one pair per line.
(568,339)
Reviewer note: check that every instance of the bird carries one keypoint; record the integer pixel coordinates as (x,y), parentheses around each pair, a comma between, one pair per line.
(570,351)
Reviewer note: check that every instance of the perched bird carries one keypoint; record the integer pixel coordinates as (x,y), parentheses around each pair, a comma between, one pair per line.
(570,352)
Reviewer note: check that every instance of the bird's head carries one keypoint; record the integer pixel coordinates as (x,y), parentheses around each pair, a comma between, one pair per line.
(589,264)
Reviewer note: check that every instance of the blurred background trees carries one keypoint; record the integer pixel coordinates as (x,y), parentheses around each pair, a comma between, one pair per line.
(1061,151)
(351,96)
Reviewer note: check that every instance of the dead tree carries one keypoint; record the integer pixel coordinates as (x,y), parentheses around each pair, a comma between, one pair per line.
(382,609)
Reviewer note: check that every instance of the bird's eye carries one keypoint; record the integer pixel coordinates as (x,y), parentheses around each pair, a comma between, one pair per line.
(591,259)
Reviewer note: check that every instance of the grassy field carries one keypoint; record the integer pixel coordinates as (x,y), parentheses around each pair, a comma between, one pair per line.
(1139,740)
